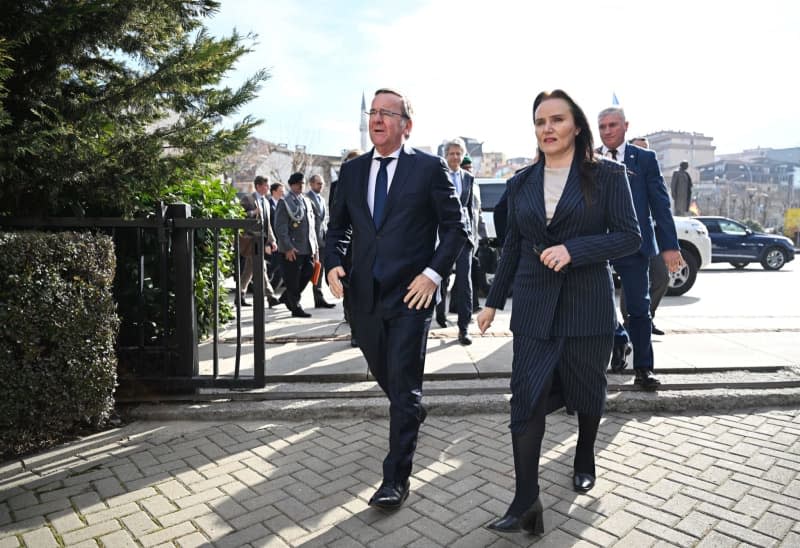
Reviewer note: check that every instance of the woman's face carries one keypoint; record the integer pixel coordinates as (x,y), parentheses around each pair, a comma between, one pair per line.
(555,127)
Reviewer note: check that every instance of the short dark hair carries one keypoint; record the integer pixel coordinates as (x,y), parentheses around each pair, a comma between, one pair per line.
(260,180)
(275,186)
(296,178)
(408,111)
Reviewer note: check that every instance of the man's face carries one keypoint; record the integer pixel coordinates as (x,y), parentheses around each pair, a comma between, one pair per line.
(297,187)
(262,189)
(467,167)
(315,185)
(388,131)
(612,129)
(454,156)
(278,192)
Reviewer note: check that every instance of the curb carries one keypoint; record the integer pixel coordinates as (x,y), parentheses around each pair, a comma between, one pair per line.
(300,410)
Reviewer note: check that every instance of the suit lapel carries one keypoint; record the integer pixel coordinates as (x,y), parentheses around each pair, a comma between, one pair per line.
(532,190)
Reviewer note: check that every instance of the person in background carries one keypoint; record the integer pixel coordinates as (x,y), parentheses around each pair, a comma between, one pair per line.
(651,200)
(255,206)
(461,294)
(295,229)
(276,193)
(658,273)
(395,199)
(681,186)
(479,239)
(315,184)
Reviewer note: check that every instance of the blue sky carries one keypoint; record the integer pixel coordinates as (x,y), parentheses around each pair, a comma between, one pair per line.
(724,69)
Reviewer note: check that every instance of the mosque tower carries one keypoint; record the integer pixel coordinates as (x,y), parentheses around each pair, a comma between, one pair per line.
(363,127)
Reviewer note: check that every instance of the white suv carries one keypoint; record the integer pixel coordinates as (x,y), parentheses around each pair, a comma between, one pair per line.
(692,237)
(696,250)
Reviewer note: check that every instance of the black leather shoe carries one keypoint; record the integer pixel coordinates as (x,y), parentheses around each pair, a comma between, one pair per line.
(243,302)
(619,355)
(442,321)
(656,331)
(646,379)
(464,338)
(390,496)
(323,304)
(272,302)
(582,482)
(531,521)
(300,313)
(353,342)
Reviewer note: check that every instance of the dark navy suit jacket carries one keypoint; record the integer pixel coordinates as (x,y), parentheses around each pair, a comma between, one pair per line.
(651,200)
(421,200)
(578,302)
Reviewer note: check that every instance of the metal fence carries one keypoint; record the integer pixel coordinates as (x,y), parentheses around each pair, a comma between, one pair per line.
(154,289)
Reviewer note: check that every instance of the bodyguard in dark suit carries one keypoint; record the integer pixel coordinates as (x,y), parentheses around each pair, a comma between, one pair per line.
(276,191)
(395,199)
(651,200)
(461,294)
(314,194)
(568,214)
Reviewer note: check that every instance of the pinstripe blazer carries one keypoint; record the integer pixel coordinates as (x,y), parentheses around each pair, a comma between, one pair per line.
(578,302)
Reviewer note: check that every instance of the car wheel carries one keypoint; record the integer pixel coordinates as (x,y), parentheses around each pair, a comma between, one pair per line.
(739,266)
(682,281)
(774,259)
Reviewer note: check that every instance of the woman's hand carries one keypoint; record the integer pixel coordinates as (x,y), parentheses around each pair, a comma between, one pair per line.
(485,318)
(556,257)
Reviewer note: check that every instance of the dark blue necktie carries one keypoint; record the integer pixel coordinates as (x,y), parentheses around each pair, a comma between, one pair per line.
(381,189)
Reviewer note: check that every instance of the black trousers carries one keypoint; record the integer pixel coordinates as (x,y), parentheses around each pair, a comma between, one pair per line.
(395,346)
(296,275)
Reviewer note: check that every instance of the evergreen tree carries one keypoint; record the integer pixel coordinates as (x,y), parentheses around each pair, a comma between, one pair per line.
(109,103)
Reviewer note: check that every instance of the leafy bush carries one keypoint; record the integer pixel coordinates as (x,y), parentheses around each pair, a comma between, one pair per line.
(57,356)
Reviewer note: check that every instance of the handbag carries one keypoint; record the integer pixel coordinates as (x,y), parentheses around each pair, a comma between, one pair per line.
(247,245)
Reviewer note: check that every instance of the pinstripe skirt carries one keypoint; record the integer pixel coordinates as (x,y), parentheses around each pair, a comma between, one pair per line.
(578,366)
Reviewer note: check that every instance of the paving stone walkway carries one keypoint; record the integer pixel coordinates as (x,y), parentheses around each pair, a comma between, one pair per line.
(663,480)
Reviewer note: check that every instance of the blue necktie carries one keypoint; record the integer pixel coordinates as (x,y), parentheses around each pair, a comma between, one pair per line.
(381,189)
(454,176)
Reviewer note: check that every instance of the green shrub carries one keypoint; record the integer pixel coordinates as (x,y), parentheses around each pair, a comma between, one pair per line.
(57,355)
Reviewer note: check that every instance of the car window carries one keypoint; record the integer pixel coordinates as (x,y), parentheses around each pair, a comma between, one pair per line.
(712,226)
(729,227)
(490,194)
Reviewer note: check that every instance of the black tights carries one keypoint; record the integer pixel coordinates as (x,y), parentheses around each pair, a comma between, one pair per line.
(527,446)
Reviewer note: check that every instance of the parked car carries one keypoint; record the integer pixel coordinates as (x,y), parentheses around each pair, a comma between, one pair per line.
(696,250)
(732,242)
(692,236)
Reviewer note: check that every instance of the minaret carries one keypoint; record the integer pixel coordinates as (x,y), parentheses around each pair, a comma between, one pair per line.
(363,127)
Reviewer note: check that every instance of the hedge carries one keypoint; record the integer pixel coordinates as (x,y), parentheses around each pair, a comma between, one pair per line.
(57,336)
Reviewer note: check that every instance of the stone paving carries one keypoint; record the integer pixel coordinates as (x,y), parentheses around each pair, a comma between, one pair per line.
(663,480)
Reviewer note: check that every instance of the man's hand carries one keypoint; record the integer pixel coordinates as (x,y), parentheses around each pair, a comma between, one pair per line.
(420,292)
(673,259)
(291,255)
(333,281)
(485,318)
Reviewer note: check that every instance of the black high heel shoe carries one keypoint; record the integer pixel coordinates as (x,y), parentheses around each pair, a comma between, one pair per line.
(531,521)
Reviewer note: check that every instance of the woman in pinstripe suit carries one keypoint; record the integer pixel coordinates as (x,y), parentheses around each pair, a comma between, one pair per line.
(569,214)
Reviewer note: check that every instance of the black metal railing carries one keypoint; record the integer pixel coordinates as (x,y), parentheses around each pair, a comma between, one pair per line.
(158,342)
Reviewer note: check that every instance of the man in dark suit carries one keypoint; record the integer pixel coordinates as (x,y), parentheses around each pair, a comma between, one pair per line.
(395,199)
(651,202)
(295,230)
(276,191)
(315,184)
(255,206)
(461,295)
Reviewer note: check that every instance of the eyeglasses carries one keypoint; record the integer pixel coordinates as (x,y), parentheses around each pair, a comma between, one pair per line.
(384,113)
